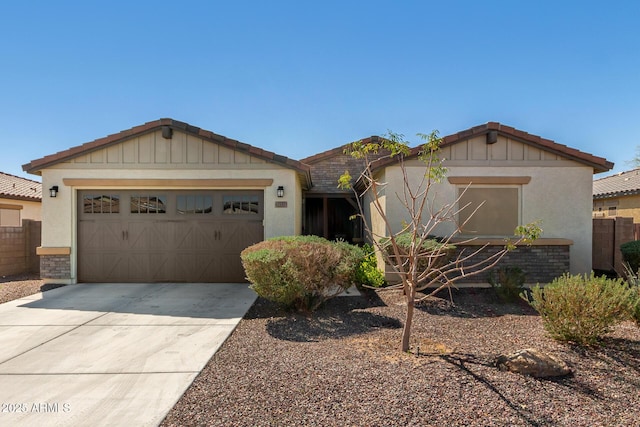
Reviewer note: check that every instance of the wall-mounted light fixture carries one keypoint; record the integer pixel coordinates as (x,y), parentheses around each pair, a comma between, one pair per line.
(53,191)
(280,191)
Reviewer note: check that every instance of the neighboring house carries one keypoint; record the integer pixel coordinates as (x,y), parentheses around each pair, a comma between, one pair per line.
(20,198)
(167,201)
(617,195)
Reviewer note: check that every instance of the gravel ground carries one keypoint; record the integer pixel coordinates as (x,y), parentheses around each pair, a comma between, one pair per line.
(14,287)
(341,368)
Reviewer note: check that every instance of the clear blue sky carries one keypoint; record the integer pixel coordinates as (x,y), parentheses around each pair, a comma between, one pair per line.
(301,77)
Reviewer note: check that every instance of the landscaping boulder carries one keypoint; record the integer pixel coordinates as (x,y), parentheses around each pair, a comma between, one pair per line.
(534,363)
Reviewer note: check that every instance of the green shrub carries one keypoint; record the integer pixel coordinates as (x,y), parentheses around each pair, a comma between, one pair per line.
(301,272)
(431,244)
(635,305)
(631,254)
(582,309)
(633,279)
(507,282)
(368,273)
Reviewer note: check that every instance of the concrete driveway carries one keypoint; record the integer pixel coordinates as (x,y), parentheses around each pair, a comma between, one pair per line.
(110,354)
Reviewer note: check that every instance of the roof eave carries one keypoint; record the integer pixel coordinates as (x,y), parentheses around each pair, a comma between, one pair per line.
(599,164)
(616,194)
(22,198)
(35,167)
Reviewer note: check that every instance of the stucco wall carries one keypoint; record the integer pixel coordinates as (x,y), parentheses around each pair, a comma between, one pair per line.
(558,196)
(626,206)
(30,210)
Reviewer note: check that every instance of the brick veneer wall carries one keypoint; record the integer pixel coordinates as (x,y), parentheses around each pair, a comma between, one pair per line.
(55,266)
(18,248)
(326,169)
(325,174)
(541,263)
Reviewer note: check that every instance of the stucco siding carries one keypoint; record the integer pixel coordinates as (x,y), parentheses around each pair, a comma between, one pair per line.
(559,197)
(30,210)
(625,206)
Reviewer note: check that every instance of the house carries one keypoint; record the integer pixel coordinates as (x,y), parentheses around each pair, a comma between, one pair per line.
(20,216)
(618,195)
(20,198)
(167,201)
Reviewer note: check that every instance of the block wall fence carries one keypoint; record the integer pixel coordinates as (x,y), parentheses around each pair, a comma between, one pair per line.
(18,248)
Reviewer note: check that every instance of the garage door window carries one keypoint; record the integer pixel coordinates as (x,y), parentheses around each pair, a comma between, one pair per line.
(240,204)
(101,203)
(148,204)
(194,204)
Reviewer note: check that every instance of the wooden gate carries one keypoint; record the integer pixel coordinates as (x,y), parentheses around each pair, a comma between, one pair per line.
(608,235)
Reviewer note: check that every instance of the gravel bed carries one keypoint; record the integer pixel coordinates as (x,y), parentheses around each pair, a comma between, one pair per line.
(341,367)
(20,286)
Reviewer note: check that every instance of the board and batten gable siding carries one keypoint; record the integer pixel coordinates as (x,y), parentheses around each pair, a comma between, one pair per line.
(558,191)
(181,151)
(504,150)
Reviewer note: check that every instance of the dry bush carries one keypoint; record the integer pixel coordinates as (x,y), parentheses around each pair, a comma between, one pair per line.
(582,309)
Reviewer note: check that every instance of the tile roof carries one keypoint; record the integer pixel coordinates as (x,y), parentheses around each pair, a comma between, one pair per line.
(335,151)
(621,184)
(14,187)
(599,164)
(37,165)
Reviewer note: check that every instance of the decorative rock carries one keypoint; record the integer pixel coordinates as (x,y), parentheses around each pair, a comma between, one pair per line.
(534,363)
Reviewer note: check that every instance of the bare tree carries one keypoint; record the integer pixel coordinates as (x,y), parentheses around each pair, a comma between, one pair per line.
(408,246)
(635,162)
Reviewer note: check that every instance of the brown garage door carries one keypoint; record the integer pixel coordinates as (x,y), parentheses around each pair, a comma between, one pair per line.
(166,236)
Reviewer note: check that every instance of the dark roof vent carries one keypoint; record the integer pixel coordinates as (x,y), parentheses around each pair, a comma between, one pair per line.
(167,132)
(492,137)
